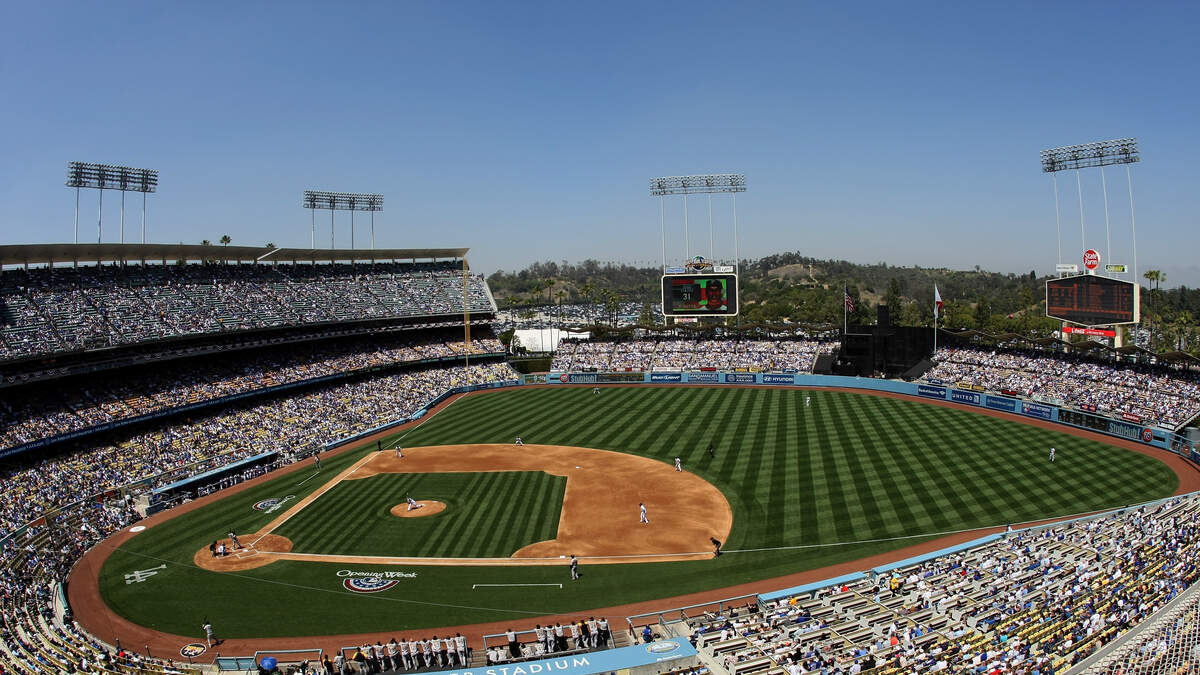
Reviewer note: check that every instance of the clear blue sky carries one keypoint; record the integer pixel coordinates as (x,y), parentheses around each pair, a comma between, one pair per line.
(898,132)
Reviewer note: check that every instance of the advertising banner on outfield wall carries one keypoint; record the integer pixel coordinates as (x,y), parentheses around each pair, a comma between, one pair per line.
(778,378)
(1042,412)
(739,378)
(704,377)
(666,377)
(931,391)
(959,396)
(1000,403)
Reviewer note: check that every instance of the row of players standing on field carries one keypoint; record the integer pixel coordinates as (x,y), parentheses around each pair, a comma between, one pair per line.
(448,652)
(587,633)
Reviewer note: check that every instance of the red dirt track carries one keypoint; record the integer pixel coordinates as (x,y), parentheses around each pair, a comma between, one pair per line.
(94,615)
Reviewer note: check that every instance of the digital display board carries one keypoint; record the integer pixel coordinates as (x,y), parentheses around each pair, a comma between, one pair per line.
(699,295)
(1090,300)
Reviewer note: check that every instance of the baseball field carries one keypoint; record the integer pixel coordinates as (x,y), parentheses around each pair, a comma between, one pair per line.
(788,487)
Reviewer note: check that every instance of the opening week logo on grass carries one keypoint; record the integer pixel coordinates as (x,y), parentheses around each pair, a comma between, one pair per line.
(372,582)
(271,505)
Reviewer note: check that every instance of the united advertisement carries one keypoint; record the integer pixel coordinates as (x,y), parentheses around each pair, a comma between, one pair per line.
(959,396)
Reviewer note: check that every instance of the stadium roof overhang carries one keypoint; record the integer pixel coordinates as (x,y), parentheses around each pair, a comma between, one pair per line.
(40,254)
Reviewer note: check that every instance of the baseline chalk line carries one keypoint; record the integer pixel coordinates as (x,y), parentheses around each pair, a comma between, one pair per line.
(474,586)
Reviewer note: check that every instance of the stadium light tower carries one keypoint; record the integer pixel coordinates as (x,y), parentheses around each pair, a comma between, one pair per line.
(1094,155)
(110,177)
(709,184)
(341,201)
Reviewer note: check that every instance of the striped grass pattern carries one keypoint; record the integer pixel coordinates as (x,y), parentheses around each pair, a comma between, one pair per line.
(848,467)
(487,515)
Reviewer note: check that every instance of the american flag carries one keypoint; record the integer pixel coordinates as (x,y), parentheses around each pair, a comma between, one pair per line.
(849,302)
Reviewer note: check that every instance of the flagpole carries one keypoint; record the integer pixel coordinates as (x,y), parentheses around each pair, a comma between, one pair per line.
(845,309)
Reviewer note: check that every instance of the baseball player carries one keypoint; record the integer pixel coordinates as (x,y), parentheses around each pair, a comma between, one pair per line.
(574,567)
(642,516)
(412,503)
(678,464)
(519,441)
(460,646)
(595,390)
(233,537)
(317,459)
(1052,455)
(807,401)
(208,633)
(710,451)
(399,452)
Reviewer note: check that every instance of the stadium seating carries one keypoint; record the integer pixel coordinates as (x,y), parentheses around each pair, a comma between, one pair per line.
(1165,394)
(49,310)
(689,354)
(1040,598)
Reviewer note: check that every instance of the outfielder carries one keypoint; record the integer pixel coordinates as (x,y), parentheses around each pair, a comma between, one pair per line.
(678,465)
(1052,454)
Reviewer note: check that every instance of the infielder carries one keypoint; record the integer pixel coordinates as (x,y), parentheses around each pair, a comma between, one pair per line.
(519,441)
(642,517)
(678,464)
(399,452)
(574,568)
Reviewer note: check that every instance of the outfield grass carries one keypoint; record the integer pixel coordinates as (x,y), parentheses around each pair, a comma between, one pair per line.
(848,477)
(470,526)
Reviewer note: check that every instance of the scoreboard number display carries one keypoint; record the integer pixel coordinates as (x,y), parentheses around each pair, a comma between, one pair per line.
(699,295)
(1092,300)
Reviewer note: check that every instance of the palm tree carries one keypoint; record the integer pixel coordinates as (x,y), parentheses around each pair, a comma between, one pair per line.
(589,296)
(225,239)
(205,242)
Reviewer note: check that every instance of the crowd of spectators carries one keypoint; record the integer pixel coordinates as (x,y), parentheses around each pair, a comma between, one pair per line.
(1165,394)
(49,310)
(1036,601)
(36,412)
(690,354)
(300,422)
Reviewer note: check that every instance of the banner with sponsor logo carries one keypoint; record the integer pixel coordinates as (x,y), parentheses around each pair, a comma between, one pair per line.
(778,378)
(969,397)
(739,378)
(1000,403)
(931,391)
(1042,412)
(1130,417)
(666,377)
(704,377)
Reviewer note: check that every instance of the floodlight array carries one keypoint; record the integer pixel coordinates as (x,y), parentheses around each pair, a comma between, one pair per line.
(111,177)
(342,201)
(1104,153)
(699,184)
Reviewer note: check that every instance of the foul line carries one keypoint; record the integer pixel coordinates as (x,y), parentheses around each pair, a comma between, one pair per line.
(274,525)
(318,473)
(474,586)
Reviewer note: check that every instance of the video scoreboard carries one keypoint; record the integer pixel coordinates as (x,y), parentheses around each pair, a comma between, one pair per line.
(702,294)
(1091,300)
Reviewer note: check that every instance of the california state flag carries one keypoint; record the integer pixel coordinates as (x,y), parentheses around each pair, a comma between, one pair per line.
(937,302)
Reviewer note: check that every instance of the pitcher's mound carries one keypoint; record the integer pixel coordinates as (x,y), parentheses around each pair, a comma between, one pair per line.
(428,508)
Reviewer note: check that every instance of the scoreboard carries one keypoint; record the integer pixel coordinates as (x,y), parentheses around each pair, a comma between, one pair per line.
(699,295)
(1091,300)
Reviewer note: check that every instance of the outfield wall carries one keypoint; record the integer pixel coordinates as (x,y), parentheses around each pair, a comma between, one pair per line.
(1148,434)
